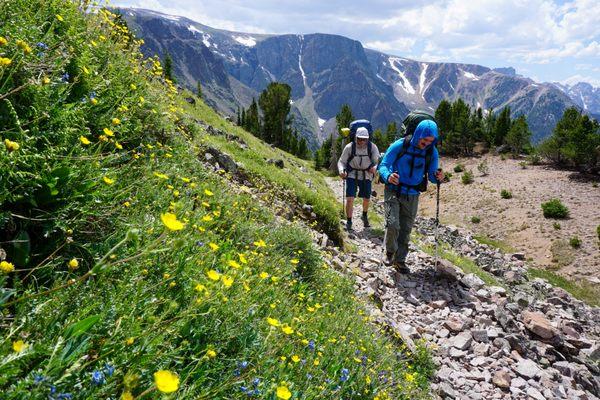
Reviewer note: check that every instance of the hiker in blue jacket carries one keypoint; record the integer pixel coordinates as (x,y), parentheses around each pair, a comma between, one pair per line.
(405,169)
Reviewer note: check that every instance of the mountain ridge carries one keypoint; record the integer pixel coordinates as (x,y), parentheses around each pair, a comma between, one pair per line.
(327,70)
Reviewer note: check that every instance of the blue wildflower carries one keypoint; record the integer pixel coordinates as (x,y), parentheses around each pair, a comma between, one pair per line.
(98,377)
(256,381)
(311,345)
(65,77)
(345,375)
(64,396)
(242,364)
(109,369)
(244,389)
(42,46)
(37,379)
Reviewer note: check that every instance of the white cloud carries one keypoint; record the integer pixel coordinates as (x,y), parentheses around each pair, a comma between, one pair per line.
(594,81)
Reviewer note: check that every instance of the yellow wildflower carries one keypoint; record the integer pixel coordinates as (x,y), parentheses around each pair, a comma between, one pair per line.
(295,261)
(227,280)
(84,140)
(242,258)
(409,377)
(316,362)
(166,381)
(263,275)
(161,176)
(3,41)
(5,61)
(6,267)
(132,86)
(295,358)
(287,329)
(85,70)
(45,80)
(283,393)
(119,146)
(129,341)
(59,17)
(213,275)
(213,246)
(107,180)
(116,121)
(10,145)
(127,396)
(211,353)
(170,220)
(273,321)
(207,218)
(200,288)
(19,345)
(94,101)
(23,46)
(368,380)
(234,264)
(108,132)
(260,243)
(73,264)
(208,192)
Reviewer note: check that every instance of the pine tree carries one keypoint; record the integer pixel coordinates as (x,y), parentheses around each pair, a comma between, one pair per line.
(243,119)
(168,68)
(252,119)
(274,103)
(443,117)
(343,120)
(303,151)
(518,136)
(238,120)
(391,135)
(199,90)
(489,127)
(502,126)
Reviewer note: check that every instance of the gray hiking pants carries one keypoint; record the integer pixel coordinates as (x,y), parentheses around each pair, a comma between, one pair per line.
(400,214)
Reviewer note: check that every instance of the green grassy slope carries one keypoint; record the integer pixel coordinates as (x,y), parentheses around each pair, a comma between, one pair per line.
(123,256)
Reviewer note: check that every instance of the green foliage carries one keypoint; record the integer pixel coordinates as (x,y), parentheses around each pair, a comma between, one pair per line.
(323,154)
(344,117)
(443,116)
(518,136)
(574,142)
(598,232)
(459,168)
(506,194)
(274,103)
(199,94)
(144,301)
(467,177)
(483,168)
(502,126)
(523,164)
(556,226)
(554,208)
(534,158)
(168,68)
(475,220)
(575,242)
(580,290)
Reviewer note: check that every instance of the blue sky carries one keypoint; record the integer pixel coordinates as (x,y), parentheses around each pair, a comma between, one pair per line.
(543,39)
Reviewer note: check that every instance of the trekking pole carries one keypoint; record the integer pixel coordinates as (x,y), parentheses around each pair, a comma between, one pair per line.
(344,196)
(437,221)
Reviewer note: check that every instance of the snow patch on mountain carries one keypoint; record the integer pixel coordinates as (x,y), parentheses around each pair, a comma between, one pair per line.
(300,60)
(422,80)
(321,122)
(247,41)
(470,75)
(405,83)
(194,30)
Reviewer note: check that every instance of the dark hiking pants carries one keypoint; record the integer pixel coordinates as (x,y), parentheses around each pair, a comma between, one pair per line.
(400,214)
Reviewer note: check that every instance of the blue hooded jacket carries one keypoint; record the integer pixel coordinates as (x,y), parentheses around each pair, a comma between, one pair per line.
(403,165)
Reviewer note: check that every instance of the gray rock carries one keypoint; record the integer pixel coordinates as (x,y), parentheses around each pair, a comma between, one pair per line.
(446,390)
(527,369)
(535,394)
(480,335)
(462,341)
(518,383)
(472,281)
(537,323)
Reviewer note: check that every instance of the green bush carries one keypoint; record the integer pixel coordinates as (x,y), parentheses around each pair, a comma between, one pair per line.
(555,209)
(447,176)
(475,220)
(506,194)
(534,159)
(467,177)
(598,231)
(523,164)
(575,242)
(556,226)
(459,168)
(483,168)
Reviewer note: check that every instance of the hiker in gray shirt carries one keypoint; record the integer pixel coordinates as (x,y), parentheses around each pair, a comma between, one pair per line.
(358,169)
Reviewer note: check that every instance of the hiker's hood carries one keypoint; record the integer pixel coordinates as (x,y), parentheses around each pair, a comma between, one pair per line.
(425,129)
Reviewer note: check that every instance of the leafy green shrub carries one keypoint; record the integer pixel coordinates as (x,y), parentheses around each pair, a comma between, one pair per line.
(447,176)
(483,168)
(459,168)
(523,164)
(595,185)
(555,209)
(575,242)
(467,177)
(502,157)
(556,226)
(598,231)
(475,220)
(534,159)
(506,194)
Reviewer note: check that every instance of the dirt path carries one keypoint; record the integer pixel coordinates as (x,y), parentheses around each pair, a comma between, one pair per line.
(519,221)
(485,339)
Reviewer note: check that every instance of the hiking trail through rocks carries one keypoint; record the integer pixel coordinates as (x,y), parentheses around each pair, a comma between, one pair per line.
(521,339)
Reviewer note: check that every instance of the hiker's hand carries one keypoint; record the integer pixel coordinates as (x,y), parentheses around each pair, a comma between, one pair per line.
(343,175)
(373,170)
(394,179)
(439,175)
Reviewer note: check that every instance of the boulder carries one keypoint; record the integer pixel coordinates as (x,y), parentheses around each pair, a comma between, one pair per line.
(502,379)
(472,281)
(538,324)
(527,369)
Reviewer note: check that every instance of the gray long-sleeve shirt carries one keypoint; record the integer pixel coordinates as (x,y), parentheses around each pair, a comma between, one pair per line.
(359,162)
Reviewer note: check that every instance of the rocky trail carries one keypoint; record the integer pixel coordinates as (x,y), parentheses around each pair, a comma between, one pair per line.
(522,339)
(518,339)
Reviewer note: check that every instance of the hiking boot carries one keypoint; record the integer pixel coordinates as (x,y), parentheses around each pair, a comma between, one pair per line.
(400,267)
(365,221)
(349,225)
(389,259)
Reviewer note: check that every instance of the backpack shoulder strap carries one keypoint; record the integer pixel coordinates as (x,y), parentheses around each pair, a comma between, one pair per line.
(405,145)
